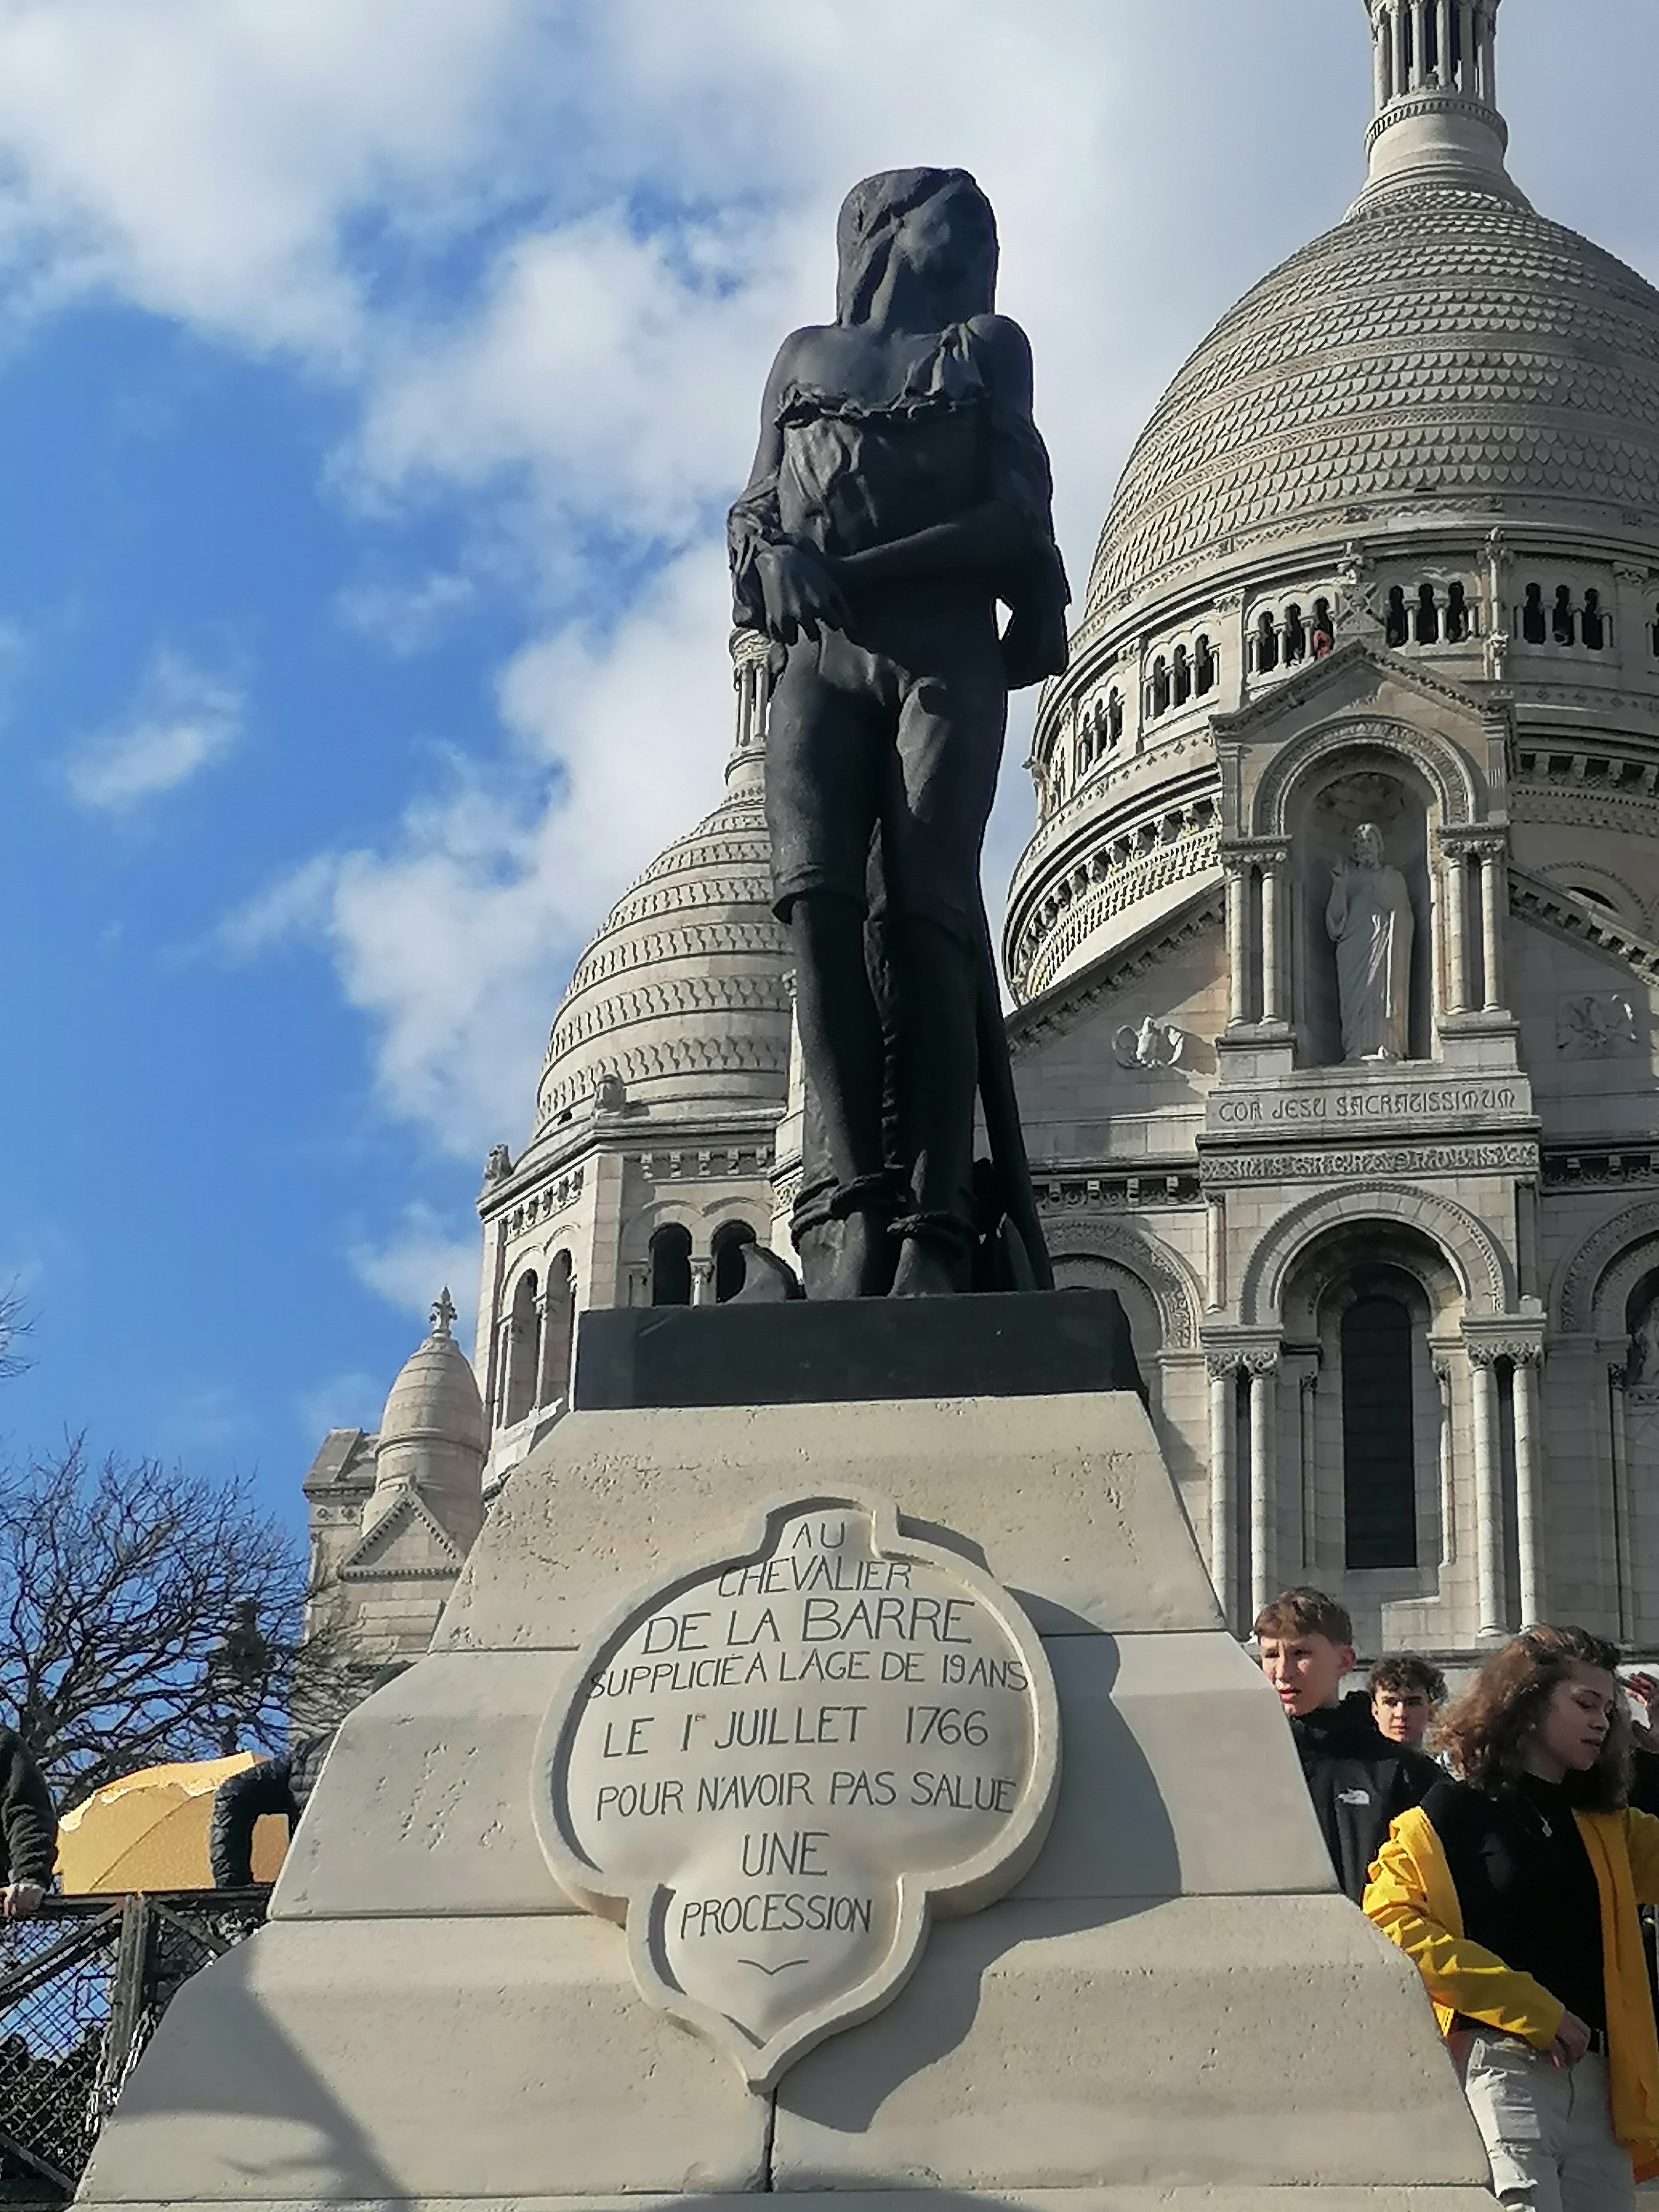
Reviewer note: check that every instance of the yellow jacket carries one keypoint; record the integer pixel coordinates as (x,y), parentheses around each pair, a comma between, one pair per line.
(1411,1897)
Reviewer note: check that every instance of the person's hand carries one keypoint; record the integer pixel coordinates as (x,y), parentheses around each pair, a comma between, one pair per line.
(1644,1689)
(800,592)
(22,1900)
(1571,2042)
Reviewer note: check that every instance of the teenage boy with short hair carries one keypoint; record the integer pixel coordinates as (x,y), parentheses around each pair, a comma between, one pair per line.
(1357,1779)
(1406,1692)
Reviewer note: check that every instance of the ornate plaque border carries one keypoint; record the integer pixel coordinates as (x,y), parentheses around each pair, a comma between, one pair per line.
(963,1888)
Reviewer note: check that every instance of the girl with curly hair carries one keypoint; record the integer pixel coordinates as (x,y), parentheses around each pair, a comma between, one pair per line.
(1514,1889)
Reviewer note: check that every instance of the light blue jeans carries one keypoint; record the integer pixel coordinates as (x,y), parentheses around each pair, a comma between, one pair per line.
(1547,2128)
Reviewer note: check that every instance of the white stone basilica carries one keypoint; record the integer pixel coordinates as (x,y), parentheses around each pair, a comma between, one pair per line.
(1335,950)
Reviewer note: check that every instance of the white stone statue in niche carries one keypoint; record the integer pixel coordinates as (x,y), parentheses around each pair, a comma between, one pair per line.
(1369,922)
(1643,1372)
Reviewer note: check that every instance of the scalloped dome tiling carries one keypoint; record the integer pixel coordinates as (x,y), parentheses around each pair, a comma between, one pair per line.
(683,990)
(1441,341)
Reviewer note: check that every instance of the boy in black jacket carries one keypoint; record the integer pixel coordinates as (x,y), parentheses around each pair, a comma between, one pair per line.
(1357,1779)
(28,1830)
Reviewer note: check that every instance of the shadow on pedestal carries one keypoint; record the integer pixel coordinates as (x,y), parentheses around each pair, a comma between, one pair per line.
(1019,1345)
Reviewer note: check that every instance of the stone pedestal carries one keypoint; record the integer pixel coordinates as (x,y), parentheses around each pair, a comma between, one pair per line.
(1172,2006)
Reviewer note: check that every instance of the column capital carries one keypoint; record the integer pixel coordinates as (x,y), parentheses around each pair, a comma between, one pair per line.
(1519,1340)
(1255,1352)
(1483,839)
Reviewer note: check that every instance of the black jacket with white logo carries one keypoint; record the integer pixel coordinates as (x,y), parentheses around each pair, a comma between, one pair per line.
(1359,1781)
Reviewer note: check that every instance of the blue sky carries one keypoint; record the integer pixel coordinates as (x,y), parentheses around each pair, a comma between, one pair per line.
(374,375)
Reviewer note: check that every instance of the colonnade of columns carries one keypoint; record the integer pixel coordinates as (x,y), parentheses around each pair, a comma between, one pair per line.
(1268,866)
(1460,35)
(1490,853)
(1245,1497)
(532,1350)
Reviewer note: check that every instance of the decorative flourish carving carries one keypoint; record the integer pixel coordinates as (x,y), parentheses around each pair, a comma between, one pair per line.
(1467,1242)
(499,1165)
(1596,1025)
(1171,1289)
(1153,1045)
(1219,1365)
(1223,1168)
(1580,1279)
(1441,765)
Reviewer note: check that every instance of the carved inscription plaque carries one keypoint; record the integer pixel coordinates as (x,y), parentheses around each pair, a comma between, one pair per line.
(773,1764)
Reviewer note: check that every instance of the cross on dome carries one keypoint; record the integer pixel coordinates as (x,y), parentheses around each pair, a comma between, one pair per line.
(1436,115)
(443,1313)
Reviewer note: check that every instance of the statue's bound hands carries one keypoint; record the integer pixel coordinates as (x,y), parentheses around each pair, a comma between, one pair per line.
(1034,645)
(800,593)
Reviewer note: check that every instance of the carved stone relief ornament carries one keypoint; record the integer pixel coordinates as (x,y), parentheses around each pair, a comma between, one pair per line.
(1153,1045)
(774,1765)
(1596,1025)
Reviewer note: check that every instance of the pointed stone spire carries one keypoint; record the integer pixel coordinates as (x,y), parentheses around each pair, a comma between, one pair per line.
(1437,120)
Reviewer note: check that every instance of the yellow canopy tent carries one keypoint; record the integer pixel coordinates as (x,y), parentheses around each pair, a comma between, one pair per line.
(149,1830)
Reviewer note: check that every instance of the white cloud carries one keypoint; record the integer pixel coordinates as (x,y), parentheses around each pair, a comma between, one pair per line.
(341,1401)
(204,158)
(184,720)
(407,618)
(457,938)
(408,1270)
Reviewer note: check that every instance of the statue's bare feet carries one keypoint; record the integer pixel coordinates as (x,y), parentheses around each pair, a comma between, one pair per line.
(863,1265)
(926,1269)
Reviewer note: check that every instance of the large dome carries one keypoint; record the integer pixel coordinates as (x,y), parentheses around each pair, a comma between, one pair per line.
(1441,342)
(682,994)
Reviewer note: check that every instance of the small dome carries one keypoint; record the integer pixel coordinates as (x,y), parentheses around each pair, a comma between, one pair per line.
(435,1397)
(1444,349)
(680,996)
(434,1436)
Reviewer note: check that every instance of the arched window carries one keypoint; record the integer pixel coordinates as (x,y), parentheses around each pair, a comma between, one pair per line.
(1160,686)
(1379,1475)
(1203,666)
(1266,642)
(1113,715)
(729,1242)
(1296,636)
(1183,677)
(558,1324)
(1593,627)
(670,1266)
(524,1353)
(1534,626)
(1324,640)
(1457,614)
(1396,623)
(1561,623)
(1428,616)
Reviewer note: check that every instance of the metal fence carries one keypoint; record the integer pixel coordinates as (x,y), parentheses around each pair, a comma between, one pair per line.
(82,1987)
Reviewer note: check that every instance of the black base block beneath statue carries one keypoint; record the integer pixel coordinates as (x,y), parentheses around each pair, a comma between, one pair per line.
(1022,1344)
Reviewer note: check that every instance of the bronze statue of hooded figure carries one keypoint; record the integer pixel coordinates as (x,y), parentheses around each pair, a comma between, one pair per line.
(900,495)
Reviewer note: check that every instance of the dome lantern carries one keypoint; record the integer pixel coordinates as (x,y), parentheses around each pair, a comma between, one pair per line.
(1436,73)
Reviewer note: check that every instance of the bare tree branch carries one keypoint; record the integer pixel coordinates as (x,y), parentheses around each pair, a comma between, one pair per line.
(147,1615)
(15,1324)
